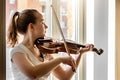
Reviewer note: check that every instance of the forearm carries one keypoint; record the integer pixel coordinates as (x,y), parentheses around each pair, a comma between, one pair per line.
(78,59)
(46,67)
(66,74)
(69,71)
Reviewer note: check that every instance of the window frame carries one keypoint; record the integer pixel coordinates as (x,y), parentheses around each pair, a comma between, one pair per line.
(2,41)
(79,31)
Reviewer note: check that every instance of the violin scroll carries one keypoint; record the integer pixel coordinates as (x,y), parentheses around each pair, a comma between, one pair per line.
(99,52)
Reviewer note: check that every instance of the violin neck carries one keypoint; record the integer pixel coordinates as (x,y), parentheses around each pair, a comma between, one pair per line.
(75,44)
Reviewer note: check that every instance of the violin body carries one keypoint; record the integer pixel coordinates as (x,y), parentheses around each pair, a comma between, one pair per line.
(49,46)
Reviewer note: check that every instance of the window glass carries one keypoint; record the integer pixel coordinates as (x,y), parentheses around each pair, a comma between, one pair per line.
(66,18)
(66,12)
(12,1)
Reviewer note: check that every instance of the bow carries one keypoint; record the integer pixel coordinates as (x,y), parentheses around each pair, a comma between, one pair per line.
(59,27)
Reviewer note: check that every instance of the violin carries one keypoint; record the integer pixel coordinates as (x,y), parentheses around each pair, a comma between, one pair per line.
(67,46)
(47,45)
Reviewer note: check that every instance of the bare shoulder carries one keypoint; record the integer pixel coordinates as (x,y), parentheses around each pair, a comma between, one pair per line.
(19,57)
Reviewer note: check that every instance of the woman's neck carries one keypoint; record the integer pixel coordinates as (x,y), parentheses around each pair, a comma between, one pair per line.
(28,42)
(30,45)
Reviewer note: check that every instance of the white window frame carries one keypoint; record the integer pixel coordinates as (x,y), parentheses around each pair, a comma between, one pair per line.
(93,69)
(89,21)
(79,29)
(111,41)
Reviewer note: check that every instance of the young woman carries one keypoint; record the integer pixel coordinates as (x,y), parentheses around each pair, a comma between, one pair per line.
(26,61)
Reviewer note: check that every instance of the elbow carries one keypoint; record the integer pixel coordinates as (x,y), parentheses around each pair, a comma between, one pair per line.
(65,78)
(35,75)
(32,76)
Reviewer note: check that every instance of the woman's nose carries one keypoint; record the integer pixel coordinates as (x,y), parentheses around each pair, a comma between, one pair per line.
(46,26)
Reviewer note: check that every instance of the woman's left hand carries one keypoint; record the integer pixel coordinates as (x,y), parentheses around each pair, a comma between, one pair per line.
(89,47)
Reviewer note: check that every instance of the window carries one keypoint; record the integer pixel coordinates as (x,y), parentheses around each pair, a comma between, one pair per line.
(69,13)
(100,29)
(12,1)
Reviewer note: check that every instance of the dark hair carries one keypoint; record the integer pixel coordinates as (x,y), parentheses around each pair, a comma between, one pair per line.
(19,24)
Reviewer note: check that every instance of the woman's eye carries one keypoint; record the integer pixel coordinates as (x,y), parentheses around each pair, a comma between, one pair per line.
(43,23)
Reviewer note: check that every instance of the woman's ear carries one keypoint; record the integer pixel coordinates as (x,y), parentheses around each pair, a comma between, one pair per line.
(30,27)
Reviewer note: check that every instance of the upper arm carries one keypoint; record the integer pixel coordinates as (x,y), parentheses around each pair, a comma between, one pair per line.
(23,64)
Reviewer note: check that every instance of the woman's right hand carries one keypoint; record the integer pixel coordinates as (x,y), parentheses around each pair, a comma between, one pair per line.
(68,60)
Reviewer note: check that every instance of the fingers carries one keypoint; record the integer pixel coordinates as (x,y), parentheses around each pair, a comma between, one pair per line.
(69,61)
(73,63)
(89,47)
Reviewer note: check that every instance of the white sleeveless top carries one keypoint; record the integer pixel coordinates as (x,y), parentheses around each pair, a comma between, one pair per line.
(18,75)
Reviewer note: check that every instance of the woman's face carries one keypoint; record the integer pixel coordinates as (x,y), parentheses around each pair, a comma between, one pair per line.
(40,26)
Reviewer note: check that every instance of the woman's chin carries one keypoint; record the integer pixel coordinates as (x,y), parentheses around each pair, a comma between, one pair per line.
(42,36)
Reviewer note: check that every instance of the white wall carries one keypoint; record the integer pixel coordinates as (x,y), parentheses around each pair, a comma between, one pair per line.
(101,39)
